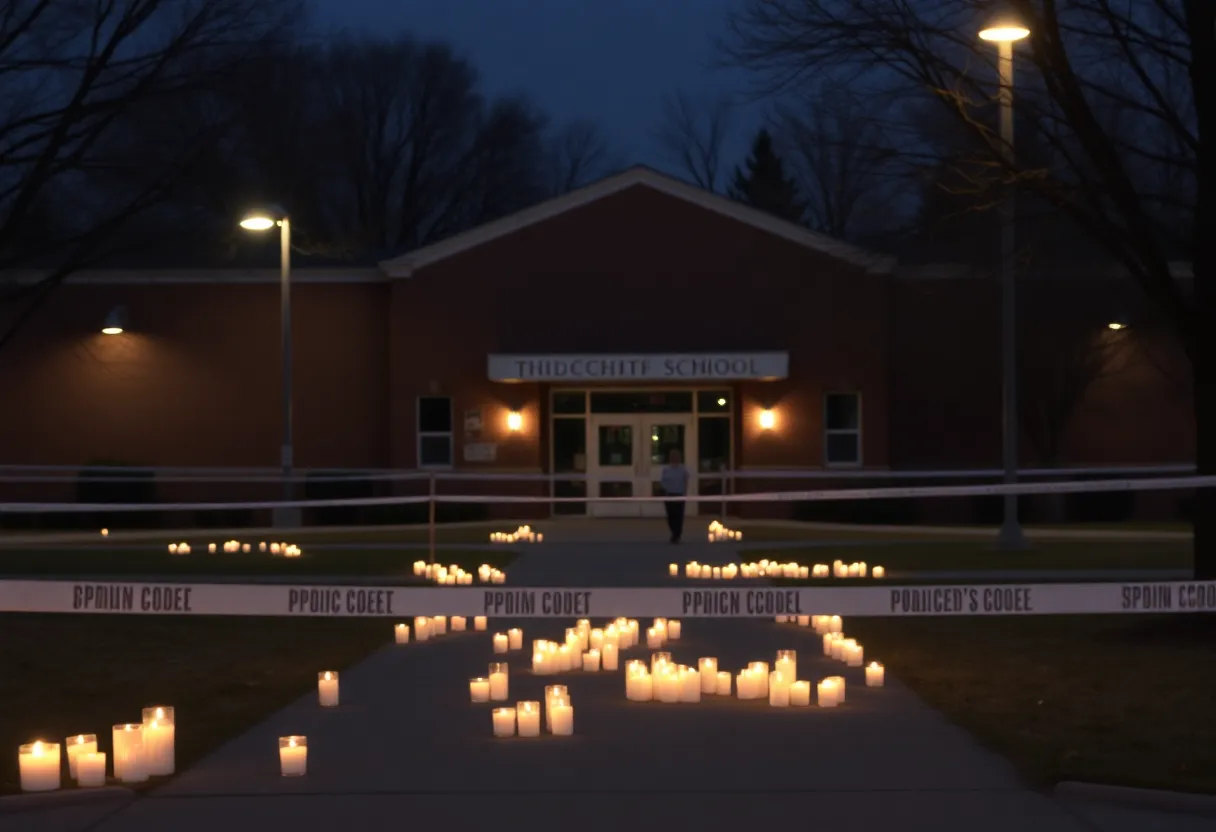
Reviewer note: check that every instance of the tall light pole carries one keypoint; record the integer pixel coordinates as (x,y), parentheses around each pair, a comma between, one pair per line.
(1004,30)
(264,220)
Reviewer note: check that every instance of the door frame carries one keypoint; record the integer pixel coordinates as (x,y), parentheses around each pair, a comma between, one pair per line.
(643,474)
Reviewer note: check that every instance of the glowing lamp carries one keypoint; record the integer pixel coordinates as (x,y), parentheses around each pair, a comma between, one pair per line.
(768,419)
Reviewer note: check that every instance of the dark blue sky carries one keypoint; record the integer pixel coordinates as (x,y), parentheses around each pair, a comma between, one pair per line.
(611,61)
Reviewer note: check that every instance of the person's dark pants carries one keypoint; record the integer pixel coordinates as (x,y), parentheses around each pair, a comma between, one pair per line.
(675,519)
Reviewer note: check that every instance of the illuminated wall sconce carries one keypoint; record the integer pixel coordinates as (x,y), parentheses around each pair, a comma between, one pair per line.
(515,421)
(115,322)
(768,419)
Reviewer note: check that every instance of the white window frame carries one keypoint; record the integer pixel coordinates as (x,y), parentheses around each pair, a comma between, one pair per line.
(421,434)
(827,461)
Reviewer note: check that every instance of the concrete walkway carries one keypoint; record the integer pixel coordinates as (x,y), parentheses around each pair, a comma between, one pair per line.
(406,749)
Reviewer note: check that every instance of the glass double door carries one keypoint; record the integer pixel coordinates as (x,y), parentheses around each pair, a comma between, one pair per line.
(627,454)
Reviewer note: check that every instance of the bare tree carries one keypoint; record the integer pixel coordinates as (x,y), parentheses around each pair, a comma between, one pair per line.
(578,154)
(1128,190)
(693,132)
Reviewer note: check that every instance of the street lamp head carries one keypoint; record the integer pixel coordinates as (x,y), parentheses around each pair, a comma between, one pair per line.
(1004,25)
(263,218)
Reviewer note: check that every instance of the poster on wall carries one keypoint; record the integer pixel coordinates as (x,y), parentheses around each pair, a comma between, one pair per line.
(480,451)
(472,423)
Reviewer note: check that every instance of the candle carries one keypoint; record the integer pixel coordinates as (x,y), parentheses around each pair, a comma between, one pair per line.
(39,765)
(609,657)
(401,634)
(827,694)
(854,655)
(422,628)
(760,669)
(439,624)
(878,572)
(657,659)
(527,715)
(591,661)
(90,769)
(874,675)
(479,689)
(159,731)
(804,621)
(562,719)
(690,684)
(498,681)
(654,640)
(596,639)
(327,688)
(743,685)
(504,722)
(673,569)
(479,623)
(77,745)
(723,683)
(515,638)
(838,682)
(778,689)
(835,624)
(673,630)
(540,663)
(800,693)
(293,756)
(553,694)
(501,643)
(459,623)
(129,765)
(787,663)
(708,668)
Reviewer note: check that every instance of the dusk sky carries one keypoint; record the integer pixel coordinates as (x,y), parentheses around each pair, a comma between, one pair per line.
(611,61)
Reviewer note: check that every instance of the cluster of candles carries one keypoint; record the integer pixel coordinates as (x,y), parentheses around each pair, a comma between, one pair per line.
(287,550)
(454,575)
(773,569)
(719,532)
(523,534)
(141,750)
(586,648)
(524,719)
(428,627)
(836,645)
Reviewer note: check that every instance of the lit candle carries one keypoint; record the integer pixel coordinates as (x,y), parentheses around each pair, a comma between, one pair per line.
(501,643)
(596,639)
(778,689)
(874,675)
(591,661)
(787,663)
(459,623)
(878,572)
(293,756)
(690,684)
(854,655)
(839,687)
(39,766)
(422,628)
(527,716)
(561,718)
(128,742)
(804,621)
(827,694)
(667,684)
(743,685)
(159,734)
(515,638)
(498,681)
(653,639)
(673,630)
(722,687)
(835,624)
(800,693)
(609,659)
(760,669)
(479,623)
(327,688)
(77,745)
(401,633)
(439,624)
(504,722)
(90,769)
(479,689)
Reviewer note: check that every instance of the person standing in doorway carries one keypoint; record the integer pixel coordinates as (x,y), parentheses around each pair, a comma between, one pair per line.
(674,482)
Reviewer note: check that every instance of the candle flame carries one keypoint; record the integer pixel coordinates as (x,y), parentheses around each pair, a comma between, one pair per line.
(80,739)
(292,742)
(128,727)
(160,713)
(327,676)
(37,747)
(153,724)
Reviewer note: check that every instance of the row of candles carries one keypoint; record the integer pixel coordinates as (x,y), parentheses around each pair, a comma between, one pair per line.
(719,532)
(140,751)
(773,569)
(455,575)
(287,550)
(523,534)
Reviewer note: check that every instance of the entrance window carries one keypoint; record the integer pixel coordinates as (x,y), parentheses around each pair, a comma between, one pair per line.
(713,401)
(842,429)
(569,446)
(616,445)
(642,401)
(663,440)
(713,444)
(569,402)
(434,432)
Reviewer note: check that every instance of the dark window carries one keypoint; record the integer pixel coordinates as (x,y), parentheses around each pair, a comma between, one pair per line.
(713,401)
(842,411)
(843,448)
(713,444)
(570,401)
(569,445)
(842,429)
(642,401)
(434,414)
(435,450)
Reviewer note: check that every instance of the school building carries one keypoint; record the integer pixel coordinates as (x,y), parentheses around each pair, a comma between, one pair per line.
(590,336)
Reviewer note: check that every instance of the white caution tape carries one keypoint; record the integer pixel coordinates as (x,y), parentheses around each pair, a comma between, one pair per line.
(161,598)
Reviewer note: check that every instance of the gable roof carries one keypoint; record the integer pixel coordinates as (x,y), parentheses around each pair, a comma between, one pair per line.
(406,264)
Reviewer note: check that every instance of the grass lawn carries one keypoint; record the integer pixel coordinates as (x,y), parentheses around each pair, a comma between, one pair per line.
(901,558)
(1119,700)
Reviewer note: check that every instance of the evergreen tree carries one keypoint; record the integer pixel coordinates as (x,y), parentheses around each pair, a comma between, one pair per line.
(762,183)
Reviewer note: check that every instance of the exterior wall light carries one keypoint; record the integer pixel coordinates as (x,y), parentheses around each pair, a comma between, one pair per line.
(116,322)
(515,421)
(768,419)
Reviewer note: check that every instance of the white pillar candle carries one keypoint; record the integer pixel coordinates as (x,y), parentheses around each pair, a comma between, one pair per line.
(827,694)
(128,743)
(800,693)
(673,630)
(591,661)
(293,756)
(419,567)
(778,689)
(839,687)
(527,717)
(855,655)
(608,656)
(804,621)
(479,623)
(77,745)
(787,664)
(760,669)
(540,663)
(690,684)
(554,694)
(401,634)
(501,644)
(159,737)
(562,719)
(781,619)
(673,569)
(39,765)
(90,769)
(722,688)
(708,668)
(479,689)
(835,624)
(595,640)
(439,624)
(878,572)
(874,675)
(422,628)
(565,658)
(653,638)
(327,688)
(515,638)
(743,685)
(498,681)
(504,722)
(459,623)
(657,659)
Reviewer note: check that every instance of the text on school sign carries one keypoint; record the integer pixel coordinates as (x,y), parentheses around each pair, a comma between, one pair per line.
(732,366)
